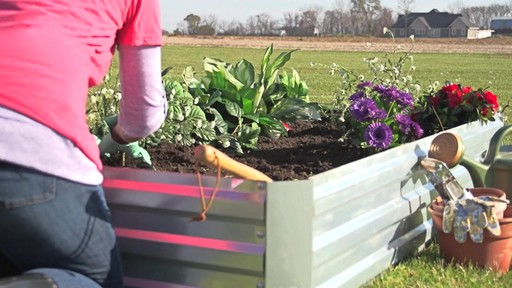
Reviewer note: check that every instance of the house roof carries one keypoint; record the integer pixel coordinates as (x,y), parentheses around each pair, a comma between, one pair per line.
(501,23)
(433,19)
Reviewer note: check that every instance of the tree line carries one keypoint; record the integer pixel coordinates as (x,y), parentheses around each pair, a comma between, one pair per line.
(354,17)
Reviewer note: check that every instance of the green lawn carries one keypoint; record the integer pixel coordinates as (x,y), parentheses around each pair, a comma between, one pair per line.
(476,70)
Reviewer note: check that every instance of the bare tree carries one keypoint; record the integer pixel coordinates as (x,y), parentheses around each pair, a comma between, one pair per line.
(367,10)
(234,27)
(265,25)
(251,26)
(405,7)
(310,19)
(384,19)
(482,15)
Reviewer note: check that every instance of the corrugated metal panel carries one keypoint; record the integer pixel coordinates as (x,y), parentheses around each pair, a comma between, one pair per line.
(349,224)
(160,244)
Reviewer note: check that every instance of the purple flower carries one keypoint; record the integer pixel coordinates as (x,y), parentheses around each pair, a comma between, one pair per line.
(404,123)
(392,94)
(404,99)
(381,89)
(378,135)
(364,84)
(365,109)
(408,126)
(416,128)
(357,95)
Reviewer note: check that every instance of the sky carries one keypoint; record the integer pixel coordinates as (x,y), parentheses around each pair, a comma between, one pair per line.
(173,12)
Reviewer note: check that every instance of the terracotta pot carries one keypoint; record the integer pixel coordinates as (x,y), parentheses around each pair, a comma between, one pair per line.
(498,208)
(495,252)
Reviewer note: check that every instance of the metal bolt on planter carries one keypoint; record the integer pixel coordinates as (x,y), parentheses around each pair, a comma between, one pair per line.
(260,234)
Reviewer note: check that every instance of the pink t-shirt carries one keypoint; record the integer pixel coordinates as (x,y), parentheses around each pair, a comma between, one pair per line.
(53,51)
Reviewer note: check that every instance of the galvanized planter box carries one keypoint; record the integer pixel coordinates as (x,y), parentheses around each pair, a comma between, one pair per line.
(339,228)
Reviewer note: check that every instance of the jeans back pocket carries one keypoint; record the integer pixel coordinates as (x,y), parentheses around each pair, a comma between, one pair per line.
(20,186)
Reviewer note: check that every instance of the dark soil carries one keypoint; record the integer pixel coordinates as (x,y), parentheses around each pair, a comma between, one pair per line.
(309,149)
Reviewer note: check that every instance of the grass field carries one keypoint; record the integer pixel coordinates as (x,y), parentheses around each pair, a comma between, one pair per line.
(476,70)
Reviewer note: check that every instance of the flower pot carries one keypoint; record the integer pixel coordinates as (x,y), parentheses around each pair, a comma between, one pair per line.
(495,252)
(498,208)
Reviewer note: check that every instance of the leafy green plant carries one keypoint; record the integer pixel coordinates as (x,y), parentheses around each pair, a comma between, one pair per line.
(186,123)
(250,104)
(102,102)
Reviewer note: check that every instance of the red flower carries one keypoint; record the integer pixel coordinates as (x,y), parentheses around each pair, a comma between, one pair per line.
(455,94)
(466,90)
(492,100)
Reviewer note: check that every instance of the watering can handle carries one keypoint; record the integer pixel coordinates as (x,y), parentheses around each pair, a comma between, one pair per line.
(212,157)
(495,143)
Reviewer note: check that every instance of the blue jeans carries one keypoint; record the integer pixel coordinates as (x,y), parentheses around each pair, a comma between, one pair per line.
(50,222)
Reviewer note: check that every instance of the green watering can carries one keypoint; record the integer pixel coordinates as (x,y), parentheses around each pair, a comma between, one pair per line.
(495,170)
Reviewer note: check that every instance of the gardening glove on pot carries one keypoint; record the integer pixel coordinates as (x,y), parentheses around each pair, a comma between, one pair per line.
(471,216)
(109,146)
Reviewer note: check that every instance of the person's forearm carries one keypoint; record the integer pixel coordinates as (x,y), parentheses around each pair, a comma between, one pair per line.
(143,103)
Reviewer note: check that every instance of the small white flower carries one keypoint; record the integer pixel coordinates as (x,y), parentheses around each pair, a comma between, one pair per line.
(361,77)
(385,30)
(225,144)
(413,68)
(411,37)
(417,87)
(179,137)
(180,117)
(117,96)
(196,100)
(187,111)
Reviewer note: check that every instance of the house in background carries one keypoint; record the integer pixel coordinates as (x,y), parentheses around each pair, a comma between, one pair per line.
(435,24)
(501,25)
